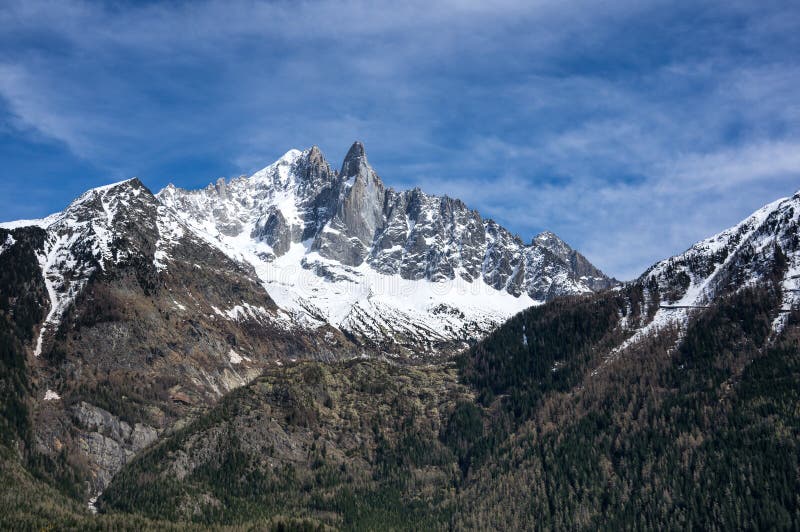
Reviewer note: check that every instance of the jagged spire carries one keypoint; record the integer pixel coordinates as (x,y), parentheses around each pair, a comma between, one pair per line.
(313,167)
(315,154)
(356,156)
(553,243)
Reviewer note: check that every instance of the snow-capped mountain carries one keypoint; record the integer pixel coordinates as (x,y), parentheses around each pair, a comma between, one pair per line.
(406,270)
(746,278)
(760,249)
(93,232)
(125,302)
(172,300)
(117,299)
(405,273)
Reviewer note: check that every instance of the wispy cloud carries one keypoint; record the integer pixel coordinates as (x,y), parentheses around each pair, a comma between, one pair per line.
(630,128)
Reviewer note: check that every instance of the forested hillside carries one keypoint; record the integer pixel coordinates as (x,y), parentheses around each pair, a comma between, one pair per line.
(704,434)
(672,401)
(693,430)
(362,444)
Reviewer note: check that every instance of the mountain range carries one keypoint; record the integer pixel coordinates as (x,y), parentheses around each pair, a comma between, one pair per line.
(405,271)
(308,347)
(194,293)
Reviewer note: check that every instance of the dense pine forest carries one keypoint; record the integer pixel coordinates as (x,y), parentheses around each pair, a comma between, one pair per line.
(705,435)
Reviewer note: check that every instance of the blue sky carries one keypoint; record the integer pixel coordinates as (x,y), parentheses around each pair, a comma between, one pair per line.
(630,128)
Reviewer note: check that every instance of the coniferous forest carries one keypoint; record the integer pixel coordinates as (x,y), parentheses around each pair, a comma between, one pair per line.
(692,430)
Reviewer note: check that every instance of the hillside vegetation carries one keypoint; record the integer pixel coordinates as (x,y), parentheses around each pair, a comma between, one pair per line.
(699,430)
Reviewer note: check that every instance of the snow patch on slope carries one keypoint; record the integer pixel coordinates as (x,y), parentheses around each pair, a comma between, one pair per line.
(169,234)
(50,395)
(234,357)
(43,223)
(381,307)
(61,291)
(7,243)
(701,290)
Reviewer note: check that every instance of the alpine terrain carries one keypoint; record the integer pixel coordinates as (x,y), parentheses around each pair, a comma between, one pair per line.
(128,311)
(308,349)
(668,402)
(405,272)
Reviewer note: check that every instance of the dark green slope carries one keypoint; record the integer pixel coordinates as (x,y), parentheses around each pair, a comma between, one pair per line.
(702,436)
(358,445)
(699,431)
(20,310)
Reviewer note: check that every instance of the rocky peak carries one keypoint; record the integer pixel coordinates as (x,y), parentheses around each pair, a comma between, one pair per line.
(312,170)
(551,242)
(359,215)
(579,265)
(351,219)
(279,174)
(547,236)
(221,187)
(357,171)
(314,155)
(355,159)
(102,206)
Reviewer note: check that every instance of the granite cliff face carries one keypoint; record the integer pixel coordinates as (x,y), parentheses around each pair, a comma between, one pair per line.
(390,266)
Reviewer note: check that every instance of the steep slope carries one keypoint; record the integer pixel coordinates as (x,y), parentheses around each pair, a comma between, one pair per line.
(131,320)
(126,312)
(761,248)
(691,428)
(359,444)
(408,272)
(21,309)
(668,402)
(702,437)
(582,413)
